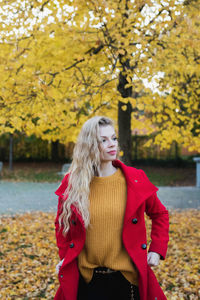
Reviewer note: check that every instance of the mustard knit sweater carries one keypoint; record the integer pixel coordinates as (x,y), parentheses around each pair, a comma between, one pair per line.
(103,246)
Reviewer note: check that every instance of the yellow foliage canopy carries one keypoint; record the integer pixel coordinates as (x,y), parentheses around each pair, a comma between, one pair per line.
(60,64)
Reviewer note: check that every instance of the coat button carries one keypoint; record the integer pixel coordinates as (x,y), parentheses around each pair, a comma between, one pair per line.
(136,180)
(73,222)
(61,276)
(134,221)
(71,245)
(144,246)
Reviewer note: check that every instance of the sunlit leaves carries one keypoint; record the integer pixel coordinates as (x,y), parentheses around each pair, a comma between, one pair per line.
(64,66)
(28,256)
(179,273)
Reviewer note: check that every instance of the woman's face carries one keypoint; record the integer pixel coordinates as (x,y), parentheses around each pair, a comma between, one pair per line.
(108,144)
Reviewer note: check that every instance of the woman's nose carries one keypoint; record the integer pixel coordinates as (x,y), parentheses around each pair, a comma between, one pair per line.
(110,143)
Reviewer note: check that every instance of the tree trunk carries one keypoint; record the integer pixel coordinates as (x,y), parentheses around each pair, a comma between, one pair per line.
(124,121)
(136,148)
(177,154)
(54,151)
(11,153)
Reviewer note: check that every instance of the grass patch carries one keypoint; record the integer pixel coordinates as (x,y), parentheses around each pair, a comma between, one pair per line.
(48,172)
(33,172)
(165,176)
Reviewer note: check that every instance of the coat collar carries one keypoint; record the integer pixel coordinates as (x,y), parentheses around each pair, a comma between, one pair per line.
(62,187)
(136,179)
(139,188)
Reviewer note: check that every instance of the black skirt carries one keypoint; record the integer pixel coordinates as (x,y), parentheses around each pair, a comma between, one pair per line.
(107,286)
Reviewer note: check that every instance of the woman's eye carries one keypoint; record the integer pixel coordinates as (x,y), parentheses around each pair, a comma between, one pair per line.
(104,140)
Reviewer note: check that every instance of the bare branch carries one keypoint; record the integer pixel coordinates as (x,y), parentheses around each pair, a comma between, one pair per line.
(44,4)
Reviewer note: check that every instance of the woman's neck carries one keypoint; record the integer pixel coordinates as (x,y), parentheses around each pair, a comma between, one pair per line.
(107,169)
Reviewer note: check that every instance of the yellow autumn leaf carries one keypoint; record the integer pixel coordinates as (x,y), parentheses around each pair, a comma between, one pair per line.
(124,107)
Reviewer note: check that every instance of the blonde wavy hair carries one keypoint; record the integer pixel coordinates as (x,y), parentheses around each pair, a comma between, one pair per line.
(85,164)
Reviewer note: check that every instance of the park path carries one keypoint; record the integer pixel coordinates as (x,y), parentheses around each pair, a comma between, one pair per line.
(19,197)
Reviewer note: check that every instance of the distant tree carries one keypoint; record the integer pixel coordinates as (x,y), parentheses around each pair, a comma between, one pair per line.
(177,115)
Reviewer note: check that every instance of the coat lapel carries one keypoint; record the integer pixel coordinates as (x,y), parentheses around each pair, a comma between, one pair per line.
(62,187)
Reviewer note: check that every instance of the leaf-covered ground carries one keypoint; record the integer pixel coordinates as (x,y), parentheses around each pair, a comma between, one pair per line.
(28,256)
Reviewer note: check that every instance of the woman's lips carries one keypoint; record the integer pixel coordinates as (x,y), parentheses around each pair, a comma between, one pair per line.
(112,152)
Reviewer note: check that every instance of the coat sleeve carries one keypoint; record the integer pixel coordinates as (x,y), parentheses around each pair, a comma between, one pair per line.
(61,241)
(160,224)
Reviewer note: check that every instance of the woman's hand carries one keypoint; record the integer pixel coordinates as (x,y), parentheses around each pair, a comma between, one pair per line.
(58,266)
(153,259)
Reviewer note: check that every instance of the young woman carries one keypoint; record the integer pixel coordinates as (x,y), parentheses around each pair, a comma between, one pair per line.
(100,227)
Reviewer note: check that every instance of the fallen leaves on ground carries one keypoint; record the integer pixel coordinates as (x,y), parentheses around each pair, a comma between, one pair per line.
(179,274)
(28,256)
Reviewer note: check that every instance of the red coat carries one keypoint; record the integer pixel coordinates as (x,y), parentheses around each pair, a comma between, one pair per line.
(141,197)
